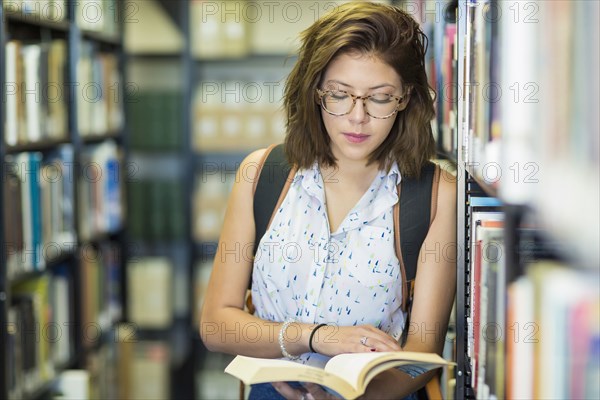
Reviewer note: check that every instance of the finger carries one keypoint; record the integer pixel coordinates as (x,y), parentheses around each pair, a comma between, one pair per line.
(379,344)
(379,341)
(287,391)
(389,343)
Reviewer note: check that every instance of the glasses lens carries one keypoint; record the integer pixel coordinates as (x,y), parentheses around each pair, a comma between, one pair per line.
(381,105)
(337,102)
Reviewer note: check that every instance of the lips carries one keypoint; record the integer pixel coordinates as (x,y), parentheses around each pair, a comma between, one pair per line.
(355,137)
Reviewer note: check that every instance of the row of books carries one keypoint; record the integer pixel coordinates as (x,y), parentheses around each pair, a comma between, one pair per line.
(99,92)
(233,29)
(482,89)
(233,115)
(438,22)
(39,336)
(487,282)
(150,294)
(447,91)
(103,15)
(121,368)
(553,317)
(38,208)
(531,128)
(42,326)
(566,126)
(100,282)
(36,10)
(212,189)
(537,336)
(213,383)
(156,210)
(92,15)
(100,187)
(36,94)
(144,368)
(155,120)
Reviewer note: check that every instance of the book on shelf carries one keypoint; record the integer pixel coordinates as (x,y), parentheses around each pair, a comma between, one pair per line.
(250,122)
(215,36)
(100,16)
(60,291)
(100,365)
(143,366)
(99,189)
(488,308)
(74,384)
(32,316)
(36,10)
(22,195)
(99,279)
(520,324)
(566,334)
(553,333)
(447,102)
(346,374)
(35,94)
(57,179)
(155,120)
(38,208)
(13,218)
(99,92)
(154,211)
(149,292)
(484,221)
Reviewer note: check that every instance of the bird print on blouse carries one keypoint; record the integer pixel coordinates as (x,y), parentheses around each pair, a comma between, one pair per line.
(347,277)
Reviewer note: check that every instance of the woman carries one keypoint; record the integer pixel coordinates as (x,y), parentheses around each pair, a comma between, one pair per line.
(359,111)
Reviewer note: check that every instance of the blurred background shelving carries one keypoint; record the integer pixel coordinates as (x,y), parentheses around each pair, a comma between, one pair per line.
(62,201)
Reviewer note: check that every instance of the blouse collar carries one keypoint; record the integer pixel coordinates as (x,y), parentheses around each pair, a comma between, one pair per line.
(381,195)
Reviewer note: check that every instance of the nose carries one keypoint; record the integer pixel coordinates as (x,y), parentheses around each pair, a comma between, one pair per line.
(359,114)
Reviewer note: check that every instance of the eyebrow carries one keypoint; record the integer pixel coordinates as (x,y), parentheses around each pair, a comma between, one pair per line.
(371,88)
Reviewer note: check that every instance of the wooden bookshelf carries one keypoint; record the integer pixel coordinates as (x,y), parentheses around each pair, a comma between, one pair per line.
(59,211)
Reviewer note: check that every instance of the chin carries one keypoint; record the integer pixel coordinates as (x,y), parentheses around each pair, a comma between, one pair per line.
(350,154)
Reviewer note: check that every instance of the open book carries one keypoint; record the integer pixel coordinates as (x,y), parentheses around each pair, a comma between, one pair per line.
(347,374)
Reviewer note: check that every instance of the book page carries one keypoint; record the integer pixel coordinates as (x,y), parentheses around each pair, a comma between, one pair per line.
(260,370)
(362,367)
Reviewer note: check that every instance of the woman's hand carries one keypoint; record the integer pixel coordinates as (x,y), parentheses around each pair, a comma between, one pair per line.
(332,340)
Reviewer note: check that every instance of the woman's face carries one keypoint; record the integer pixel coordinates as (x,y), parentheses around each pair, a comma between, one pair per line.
(356,135)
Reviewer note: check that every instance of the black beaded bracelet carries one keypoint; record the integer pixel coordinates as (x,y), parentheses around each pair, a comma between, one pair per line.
(312,334)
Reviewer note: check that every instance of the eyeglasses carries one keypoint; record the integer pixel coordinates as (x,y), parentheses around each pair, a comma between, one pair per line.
(377,105)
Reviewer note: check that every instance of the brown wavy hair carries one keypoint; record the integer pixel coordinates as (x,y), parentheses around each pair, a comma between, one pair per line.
(379,30)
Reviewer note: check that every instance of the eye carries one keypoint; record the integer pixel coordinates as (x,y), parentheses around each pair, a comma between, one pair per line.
(381,98)
(337,95)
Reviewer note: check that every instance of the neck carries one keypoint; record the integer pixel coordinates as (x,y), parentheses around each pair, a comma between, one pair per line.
(353,173)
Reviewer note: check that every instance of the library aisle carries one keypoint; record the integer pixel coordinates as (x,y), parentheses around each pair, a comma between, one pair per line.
(123,123)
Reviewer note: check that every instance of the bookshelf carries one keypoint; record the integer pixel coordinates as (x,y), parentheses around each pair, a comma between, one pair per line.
(528,157)
(159,266)
(240,61)
(59,249)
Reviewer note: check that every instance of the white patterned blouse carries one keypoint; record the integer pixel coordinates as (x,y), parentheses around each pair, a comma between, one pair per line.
(349,277)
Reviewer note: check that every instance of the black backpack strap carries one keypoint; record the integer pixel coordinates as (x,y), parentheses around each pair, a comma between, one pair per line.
(414,215)
(273,174)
